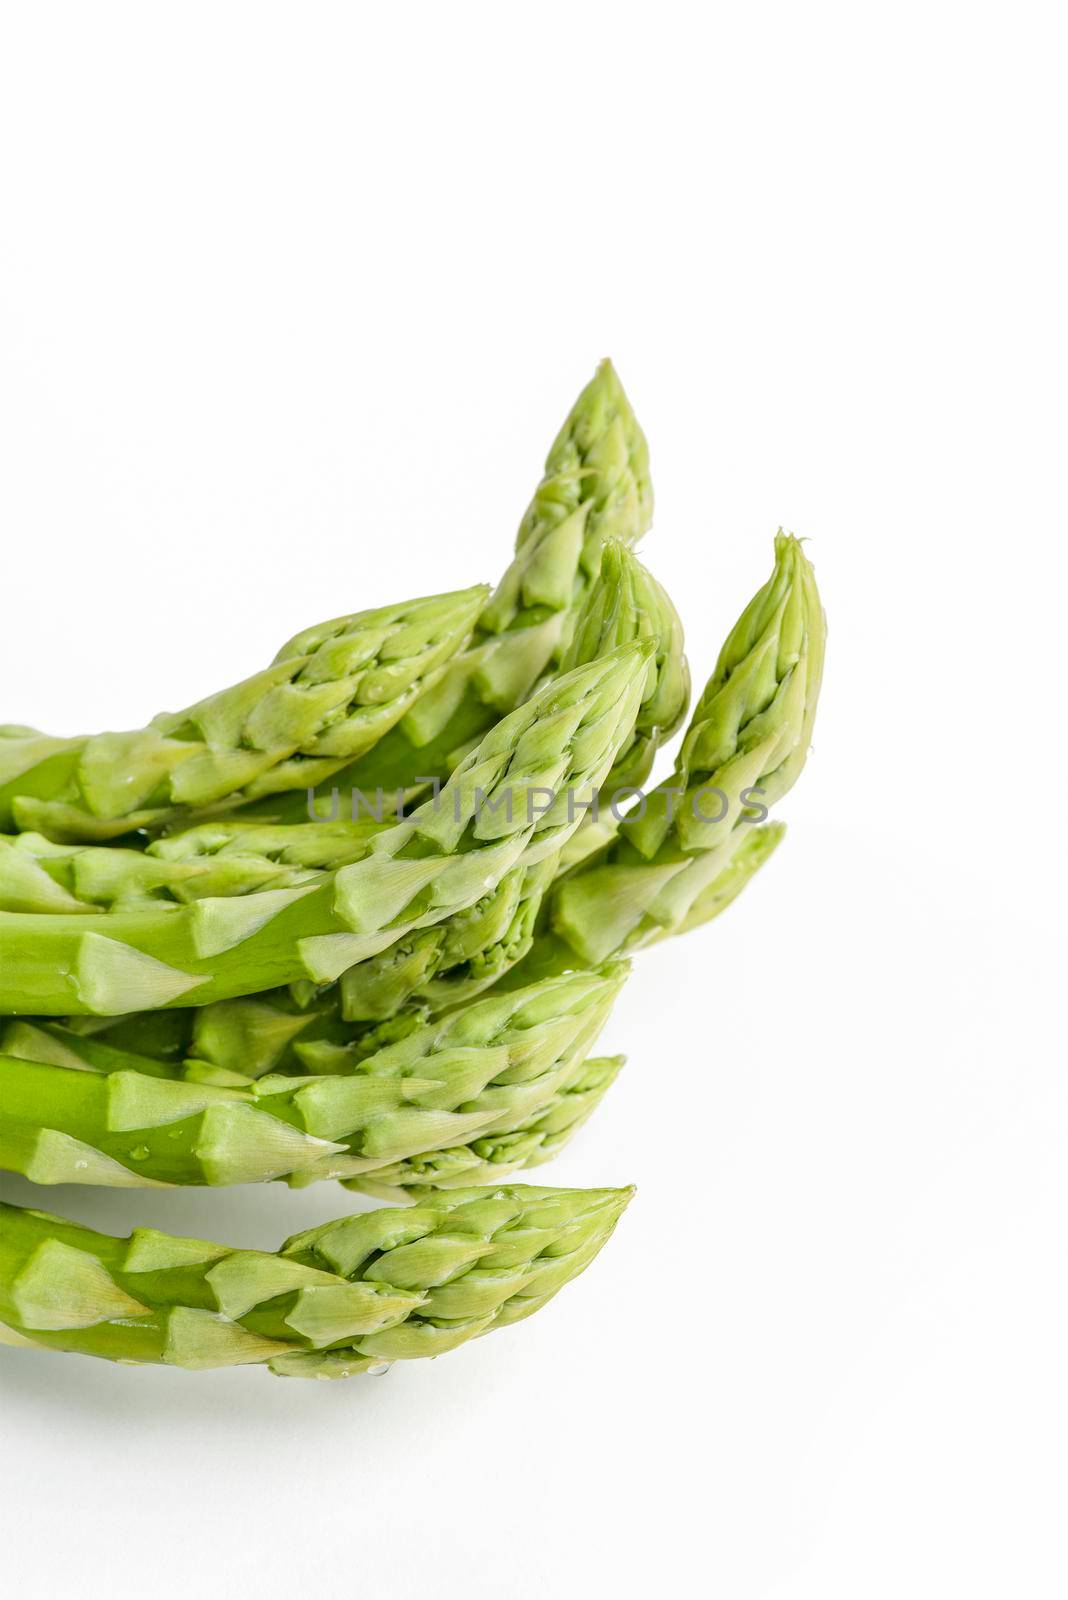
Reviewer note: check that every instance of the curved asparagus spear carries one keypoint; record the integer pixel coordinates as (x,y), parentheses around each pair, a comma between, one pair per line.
(596,486)
(224,858)
(746,744)
(487,1068)
(512,802)
(495,1155)
(332,693)
(342,1298)
(627,603)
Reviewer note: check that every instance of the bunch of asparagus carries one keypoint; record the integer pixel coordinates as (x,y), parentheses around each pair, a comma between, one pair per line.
(362,917)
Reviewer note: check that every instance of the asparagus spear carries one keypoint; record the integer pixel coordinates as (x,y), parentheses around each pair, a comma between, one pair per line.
(595,486)
(755,846)
(746,744)
(495,1155)
(219,859)
(421,975)
(627,603)
(489,1067)
(346,1297)
(331,694)
(513,801)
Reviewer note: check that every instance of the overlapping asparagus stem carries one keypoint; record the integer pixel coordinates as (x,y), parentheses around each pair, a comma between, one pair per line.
(256,1036)
(218,859)
(229,856)
(442,966)
(332,693)
(747,741)
(538,1139)
(755,846)
(232,1041)
(490,1067)
(596,486)
(627,603)
(513,801)
(420,975)
(426,971)
(339,1299)
(495,1155)
(445,965)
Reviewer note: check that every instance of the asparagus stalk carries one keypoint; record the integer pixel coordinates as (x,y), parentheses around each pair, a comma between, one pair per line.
(331,694)
(421,975)
(489,1067)
(492,1156)
(512,801)
(625,604)
(347,1297)
(755,846)
(747,741)
(595,486)
(220,859)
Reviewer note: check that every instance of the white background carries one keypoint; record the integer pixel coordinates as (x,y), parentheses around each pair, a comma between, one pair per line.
(292,301)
